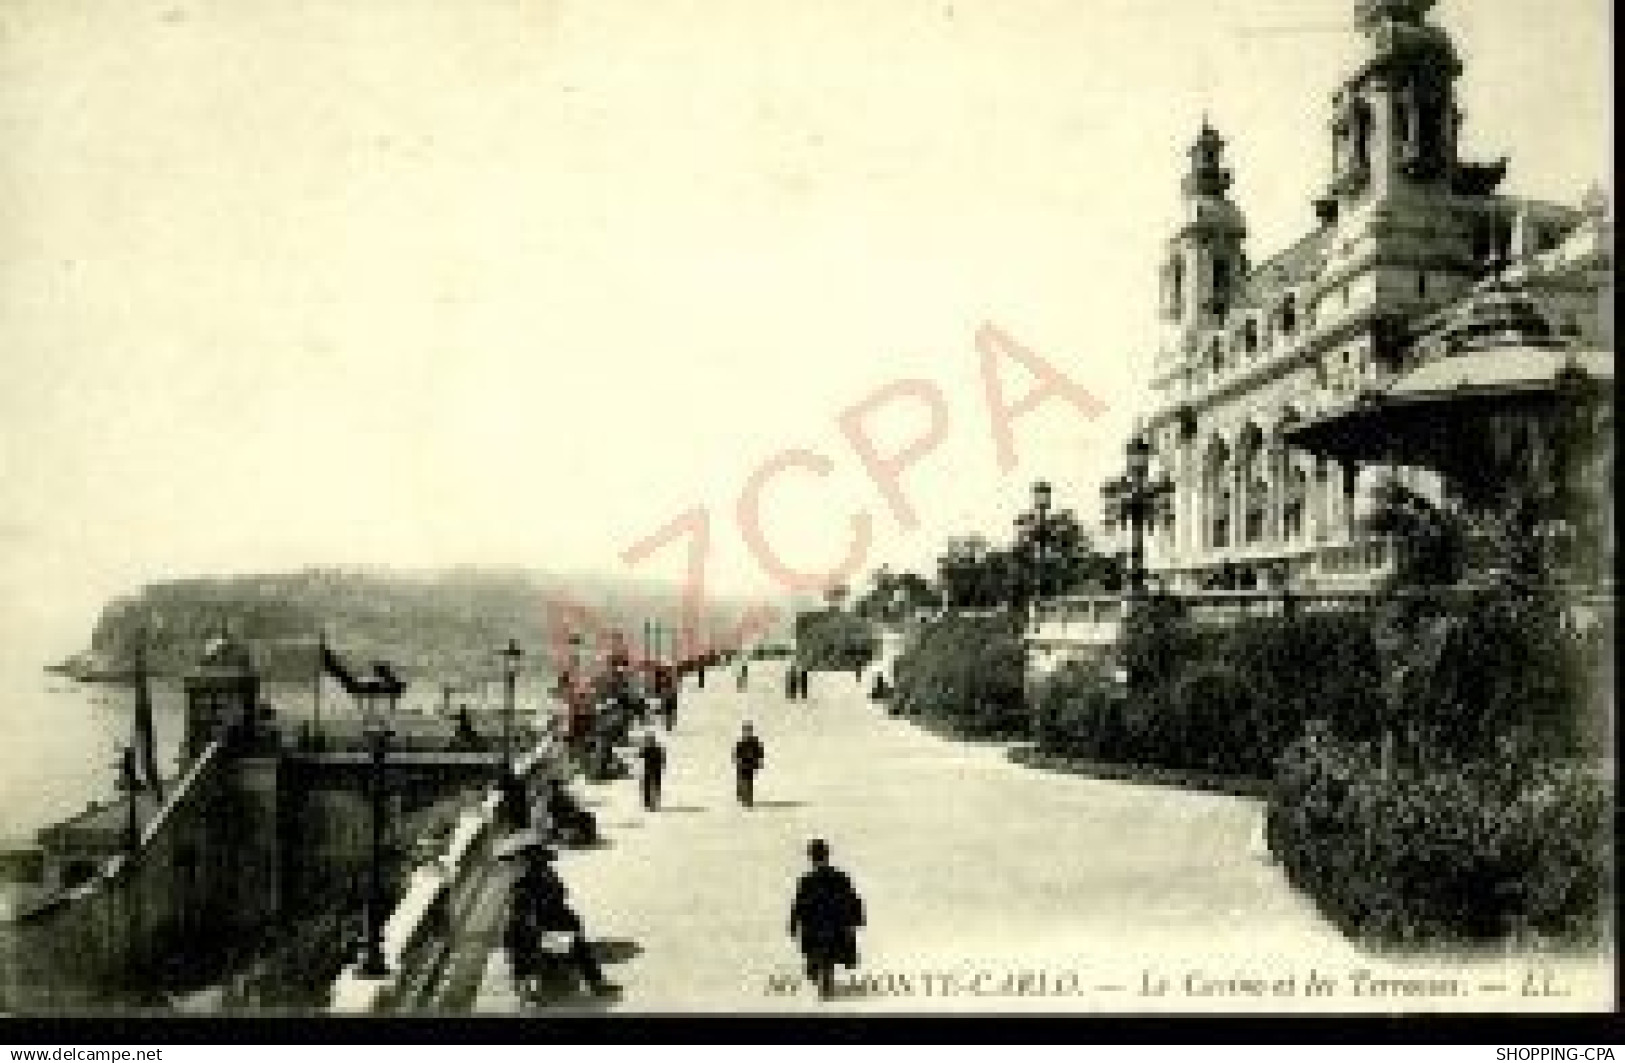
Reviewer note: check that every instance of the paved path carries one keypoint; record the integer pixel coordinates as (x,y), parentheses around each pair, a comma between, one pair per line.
(989,886)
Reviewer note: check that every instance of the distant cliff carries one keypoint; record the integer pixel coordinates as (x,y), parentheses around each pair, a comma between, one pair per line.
(447,624)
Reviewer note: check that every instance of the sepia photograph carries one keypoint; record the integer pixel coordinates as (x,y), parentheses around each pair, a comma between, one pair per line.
(761,508)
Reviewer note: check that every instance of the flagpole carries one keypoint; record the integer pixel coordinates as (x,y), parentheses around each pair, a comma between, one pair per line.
(321,661)
(145,743)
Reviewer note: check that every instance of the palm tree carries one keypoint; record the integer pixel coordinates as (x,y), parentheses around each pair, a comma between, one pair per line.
(1509,543)
(1431,540)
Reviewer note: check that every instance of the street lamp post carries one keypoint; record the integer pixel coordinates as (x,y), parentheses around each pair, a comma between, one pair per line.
(1036,531)
(1135,499)
(375,728)
(511,654)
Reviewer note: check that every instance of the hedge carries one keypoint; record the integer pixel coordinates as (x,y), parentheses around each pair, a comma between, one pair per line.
(1432,852)
(835,641)
(965,672)
(1460,678)
(1221,700)
(1076,710)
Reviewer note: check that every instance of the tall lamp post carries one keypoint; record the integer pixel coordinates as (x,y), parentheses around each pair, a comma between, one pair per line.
(511,655)
(380,690)
(1137,500)
(1036,530)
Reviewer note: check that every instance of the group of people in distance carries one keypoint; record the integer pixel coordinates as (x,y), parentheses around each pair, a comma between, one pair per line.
(825,913)
(797,683)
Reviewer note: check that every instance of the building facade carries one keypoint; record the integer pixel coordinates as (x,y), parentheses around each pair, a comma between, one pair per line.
(1406,234)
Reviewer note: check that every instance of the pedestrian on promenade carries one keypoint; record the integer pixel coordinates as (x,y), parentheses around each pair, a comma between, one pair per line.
(668,707)
(790,675)
(749,755)
(653,756)
(825,916)
(744,675)
(804,684)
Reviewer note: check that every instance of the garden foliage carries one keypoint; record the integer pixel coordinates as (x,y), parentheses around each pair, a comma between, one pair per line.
(832,640)
(965,672)
(1479,850)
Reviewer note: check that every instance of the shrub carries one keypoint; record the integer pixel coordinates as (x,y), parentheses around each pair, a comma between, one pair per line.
(835,641)
(1464,676)
(1074,708)
(1230,699)
(1215,724)
(1157,640)
(966,672)
(1433,851)
(1304,667)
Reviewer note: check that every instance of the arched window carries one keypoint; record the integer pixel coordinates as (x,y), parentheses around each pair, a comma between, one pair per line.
(1216,355)
(1289,314)
(1360,119)
(1402,126)
(1297,494)
(1215,495)
(1249,335)
(1221,285)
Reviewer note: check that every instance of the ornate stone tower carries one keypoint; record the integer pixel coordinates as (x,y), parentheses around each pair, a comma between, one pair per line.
(222,696)
(1395,121)
(1205,264)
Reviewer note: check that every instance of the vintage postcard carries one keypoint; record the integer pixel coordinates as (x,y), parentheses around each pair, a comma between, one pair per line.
(532,507)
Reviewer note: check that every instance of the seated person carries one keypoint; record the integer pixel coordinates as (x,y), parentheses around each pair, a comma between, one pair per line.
(515,803)
(538,905)
(602,764)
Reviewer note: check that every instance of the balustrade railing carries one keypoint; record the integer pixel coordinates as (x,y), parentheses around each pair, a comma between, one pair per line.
(1059,617)
(437,899)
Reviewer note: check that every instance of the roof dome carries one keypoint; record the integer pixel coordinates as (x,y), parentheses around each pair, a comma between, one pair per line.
(1497,315)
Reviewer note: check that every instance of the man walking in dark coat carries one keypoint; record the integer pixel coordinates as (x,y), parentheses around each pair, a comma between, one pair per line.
(748,758)
(653,755)
(825,917)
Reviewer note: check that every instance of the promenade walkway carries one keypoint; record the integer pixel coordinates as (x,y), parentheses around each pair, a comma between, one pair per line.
(989,886)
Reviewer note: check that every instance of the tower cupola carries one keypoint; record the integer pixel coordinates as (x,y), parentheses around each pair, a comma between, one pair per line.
(1395,121)
(1205,264)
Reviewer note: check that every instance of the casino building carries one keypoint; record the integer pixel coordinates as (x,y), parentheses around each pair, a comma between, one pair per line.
(1423,311)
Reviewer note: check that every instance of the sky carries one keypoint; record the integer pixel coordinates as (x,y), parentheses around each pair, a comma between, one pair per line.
(403,282)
